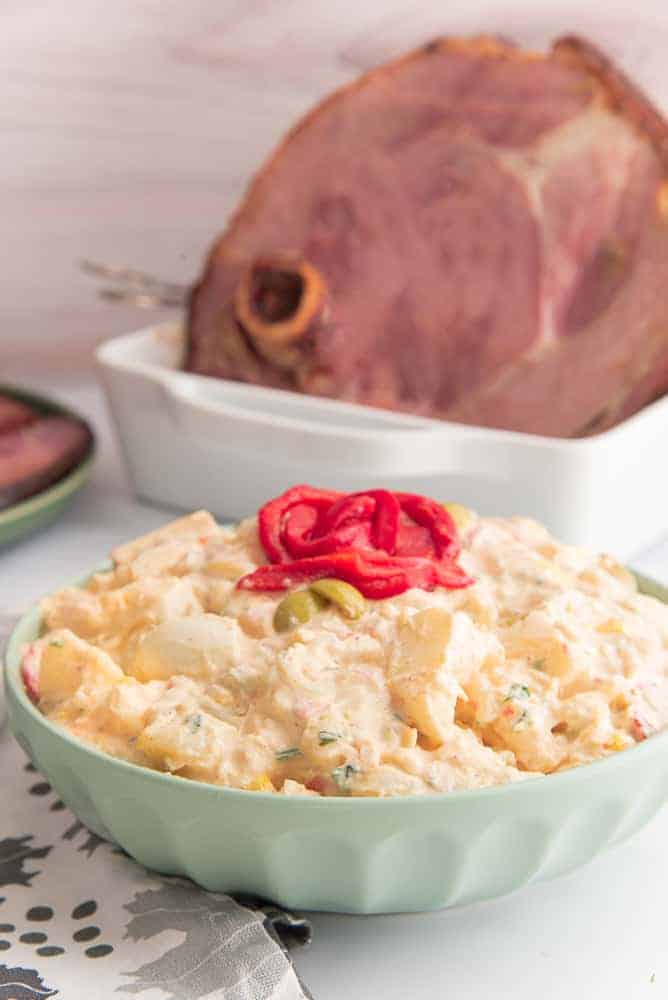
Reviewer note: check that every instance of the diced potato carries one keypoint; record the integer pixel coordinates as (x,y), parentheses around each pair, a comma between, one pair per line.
(159,559)
(112,618)
(612,626)
(409,736)
(253,611)
(228,569)
(149,602)
(437,652)
(200,524)
(215,594)
(77,610)
(419,684)
(291,787)
(385,780)
(200,646)
(128,706)
(263,783)
(423,641)
(68,663)
(175,739)
(618,741)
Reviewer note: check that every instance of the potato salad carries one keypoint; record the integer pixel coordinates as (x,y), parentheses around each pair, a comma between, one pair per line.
(205,653)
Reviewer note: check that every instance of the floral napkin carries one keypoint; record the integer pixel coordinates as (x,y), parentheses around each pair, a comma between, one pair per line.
(79,919)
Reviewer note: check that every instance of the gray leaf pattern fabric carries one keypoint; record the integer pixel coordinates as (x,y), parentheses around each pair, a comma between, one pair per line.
(23,984)
(223,951)
(15,852)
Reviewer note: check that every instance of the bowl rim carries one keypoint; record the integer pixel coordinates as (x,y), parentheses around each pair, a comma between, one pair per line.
(52,494)
(31,620)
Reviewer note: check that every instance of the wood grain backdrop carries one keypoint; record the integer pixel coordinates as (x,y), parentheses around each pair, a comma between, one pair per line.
(129,128)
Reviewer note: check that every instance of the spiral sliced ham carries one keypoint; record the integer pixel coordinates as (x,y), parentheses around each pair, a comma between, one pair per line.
(471,232)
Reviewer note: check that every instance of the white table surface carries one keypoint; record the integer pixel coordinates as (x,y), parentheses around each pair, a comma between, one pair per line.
(597,933)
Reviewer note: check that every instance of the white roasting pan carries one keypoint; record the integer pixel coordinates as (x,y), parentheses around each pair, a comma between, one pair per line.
(192,441)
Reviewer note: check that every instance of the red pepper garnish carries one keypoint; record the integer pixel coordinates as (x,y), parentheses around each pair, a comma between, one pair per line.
(435,518)
(273,516)
(30,674)
(638,729)
(318,783)
(381,542)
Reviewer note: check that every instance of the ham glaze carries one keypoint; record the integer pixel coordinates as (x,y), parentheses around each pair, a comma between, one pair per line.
(470,232)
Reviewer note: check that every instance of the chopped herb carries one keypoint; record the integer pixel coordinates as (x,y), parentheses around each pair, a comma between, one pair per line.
(342,775)
(58,643)
(539,664)
(522,721)
(520,691)
(288,753)
(325,737)
(194,722)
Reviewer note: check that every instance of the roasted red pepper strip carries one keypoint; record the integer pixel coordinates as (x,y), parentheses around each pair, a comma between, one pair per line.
(383,543)
(375,574)
(307,523)
(351,507)
(386,522)
(271,517)
(435,518)
(379,508)
(301,543)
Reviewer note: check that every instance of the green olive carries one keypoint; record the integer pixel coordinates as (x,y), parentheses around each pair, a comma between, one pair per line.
(295,609)
(346,597)
(461,515)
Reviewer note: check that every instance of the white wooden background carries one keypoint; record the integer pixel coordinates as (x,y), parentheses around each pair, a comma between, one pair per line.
(129,127)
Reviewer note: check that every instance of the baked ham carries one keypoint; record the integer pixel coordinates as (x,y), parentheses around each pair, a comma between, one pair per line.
(471,232)
(37,454)
(14,413)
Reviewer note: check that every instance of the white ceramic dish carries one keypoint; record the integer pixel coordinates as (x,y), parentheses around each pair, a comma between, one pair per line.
(192,441)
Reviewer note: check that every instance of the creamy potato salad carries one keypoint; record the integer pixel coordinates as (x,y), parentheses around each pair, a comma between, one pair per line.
(550,659)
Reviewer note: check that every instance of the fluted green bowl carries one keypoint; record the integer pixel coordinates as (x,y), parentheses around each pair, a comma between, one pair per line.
(349,855)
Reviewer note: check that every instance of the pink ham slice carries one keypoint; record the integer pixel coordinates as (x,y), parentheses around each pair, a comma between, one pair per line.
(14,413)
(471,232)
(36,456)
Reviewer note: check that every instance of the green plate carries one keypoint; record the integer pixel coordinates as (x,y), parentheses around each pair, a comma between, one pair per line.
(44,507)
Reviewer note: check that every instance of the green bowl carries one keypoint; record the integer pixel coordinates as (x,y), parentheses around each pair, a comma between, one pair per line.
(38,511)
(349,855)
